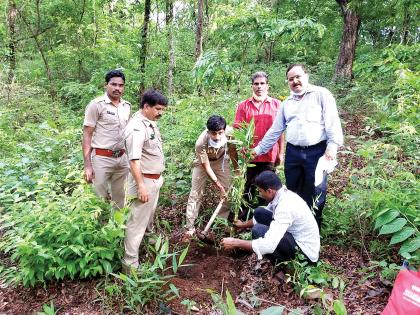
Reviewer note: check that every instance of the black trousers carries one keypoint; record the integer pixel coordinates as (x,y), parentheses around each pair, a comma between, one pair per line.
(287,247)
(299,169)
(250,195)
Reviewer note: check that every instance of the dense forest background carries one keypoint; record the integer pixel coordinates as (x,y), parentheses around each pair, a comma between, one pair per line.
(201,53)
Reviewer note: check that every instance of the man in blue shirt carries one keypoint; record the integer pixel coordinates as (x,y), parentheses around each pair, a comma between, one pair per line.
(313,127)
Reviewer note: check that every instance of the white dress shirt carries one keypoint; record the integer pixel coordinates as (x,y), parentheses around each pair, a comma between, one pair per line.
(290,214)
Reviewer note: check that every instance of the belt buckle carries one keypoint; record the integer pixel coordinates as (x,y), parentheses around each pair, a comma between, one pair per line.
(116,154)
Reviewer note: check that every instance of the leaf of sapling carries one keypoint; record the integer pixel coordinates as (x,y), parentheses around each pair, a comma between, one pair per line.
(393,227)
(182,256)
(402,235)
(386,217)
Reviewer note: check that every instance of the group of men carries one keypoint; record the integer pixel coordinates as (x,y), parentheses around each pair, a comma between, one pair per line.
(114,144)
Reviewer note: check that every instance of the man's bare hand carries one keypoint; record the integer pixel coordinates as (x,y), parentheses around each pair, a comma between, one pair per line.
(142,193)
(329,155)
(221,189)
(239,224)
(253,154)
(281,158)
(89,174)
(228,243)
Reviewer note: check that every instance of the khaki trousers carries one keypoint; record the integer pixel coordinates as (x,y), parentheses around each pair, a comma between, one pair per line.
(140,218)
(199,178)
(111,174)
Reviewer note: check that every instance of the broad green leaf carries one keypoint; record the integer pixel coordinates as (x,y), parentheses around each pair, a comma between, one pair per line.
(410,246)
(273,310)
(174,264)
(402,235)
(174,289)
(386,217)
(393,227)
(230,304)
(107,266)
(119,217)
(339,307)
(183,255)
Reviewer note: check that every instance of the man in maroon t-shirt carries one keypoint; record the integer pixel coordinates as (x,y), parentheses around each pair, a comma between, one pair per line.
(262,108)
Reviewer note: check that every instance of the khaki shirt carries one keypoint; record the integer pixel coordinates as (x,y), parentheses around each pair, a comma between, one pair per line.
(205,153)
(143,142)
(109,122)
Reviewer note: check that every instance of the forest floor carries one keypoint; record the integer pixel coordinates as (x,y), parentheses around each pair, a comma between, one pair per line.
(211,268)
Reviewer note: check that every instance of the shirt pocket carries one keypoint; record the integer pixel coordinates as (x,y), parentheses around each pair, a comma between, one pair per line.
(313,114)
(110,119)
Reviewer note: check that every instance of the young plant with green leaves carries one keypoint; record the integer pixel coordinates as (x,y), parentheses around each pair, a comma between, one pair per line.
(310,281)
(150,283)
(243,138)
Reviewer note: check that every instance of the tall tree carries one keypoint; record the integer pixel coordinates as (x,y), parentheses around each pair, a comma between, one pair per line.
(344,65)
(143,50)
(35,31)
(171,49)
(199,31)
(11,24)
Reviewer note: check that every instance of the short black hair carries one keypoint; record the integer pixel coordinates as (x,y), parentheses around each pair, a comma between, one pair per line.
(259,74)
(216,123)
(152,98)
(268,179)
(290,67)
(114,73)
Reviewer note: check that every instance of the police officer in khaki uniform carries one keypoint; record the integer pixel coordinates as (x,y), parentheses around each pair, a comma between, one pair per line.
(106,163)
(212,161)
(144,149)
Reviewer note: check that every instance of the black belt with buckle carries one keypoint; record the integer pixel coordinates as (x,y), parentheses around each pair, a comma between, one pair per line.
(308,146)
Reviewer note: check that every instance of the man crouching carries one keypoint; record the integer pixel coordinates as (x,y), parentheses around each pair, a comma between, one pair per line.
(282,227)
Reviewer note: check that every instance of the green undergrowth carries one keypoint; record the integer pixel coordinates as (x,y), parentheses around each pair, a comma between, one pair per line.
(52,225)
(379,210)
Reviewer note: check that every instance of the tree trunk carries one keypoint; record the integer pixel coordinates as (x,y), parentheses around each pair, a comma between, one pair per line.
(35,35)
(171,48)
(143,50)
(405,26)
(199,33)
(11,23)
(79,41)
(344,66)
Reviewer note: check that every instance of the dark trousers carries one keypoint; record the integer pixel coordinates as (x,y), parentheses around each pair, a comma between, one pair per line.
(299,169)
(250,196)
(286,249)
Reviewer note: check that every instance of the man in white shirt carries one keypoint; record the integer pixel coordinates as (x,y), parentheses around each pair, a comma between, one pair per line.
(313,129)
(282,227)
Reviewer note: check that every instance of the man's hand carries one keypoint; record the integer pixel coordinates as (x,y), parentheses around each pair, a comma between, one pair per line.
(228,243)
(239,224)
(329,155)
(281,158)
(142,193)
(89,174)
(253,154)
(221,189)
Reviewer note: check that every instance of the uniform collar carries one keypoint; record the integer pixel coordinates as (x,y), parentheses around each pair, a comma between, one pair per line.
(108,100)
(145,120)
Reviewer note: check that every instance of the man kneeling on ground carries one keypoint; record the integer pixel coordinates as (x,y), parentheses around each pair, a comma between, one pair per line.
(282,227)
